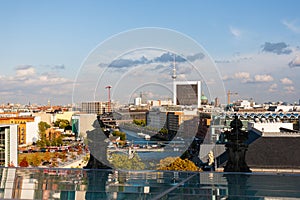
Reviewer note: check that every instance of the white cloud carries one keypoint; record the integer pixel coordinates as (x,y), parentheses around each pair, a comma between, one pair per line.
(28,84)
(273,87)
(25,72)
(235,32)
(274,65)
(291,25)
(286,81)
(263,78)
(289,89)
(242,75)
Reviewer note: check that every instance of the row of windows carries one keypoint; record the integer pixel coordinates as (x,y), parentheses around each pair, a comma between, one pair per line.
(2,144)
(18,122)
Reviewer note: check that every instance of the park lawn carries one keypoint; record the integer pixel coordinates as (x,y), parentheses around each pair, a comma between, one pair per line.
(35,157)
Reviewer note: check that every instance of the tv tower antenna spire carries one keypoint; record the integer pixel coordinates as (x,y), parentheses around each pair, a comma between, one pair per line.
(174,76)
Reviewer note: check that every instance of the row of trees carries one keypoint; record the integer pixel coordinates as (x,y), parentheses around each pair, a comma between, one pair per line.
(121,161)
(36,159)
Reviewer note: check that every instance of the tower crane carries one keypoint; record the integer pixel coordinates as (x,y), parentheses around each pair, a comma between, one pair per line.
(229,94)
(109,101)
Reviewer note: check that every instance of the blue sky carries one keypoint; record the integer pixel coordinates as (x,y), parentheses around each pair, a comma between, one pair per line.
(43,43)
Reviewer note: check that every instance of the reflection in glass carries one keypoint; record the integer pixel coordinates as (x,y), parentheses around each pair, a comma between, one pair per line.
(55,183)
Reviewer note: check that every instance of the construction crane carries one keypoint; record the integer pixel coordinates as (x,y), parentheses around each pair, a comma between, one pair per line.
(109,101)
(229,94)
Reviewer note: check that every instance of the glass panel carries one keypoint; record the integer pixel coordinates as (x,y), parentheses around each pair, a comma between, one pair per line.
(32,183)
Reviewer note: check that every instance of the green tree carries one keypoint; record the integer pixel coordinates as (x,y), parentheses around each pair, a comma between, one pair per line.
(57,141)
(139,122)
(122,135)
(43,126)
(163,131)
(62,123)
(121,161)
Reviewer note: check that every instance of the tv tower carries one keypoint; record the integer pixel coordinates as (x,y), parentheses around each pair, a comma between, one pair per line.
(174,79)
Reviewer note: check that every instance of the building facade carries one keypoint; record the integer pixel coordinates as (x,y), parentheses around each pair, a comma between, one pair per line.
(21,121)
(8,144)
(187,93)
(94,107)
(81,123)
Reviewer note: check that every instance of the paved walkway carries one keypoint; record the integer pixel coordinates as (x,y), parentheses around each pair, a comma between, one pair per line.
(78,163)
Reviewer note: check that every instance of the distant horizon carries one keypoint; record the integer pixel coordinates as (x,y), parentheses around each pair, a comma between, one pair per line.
(70,103)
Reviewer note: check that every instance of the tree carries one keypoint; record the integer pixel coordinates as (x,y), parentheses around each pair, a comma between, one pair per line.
(57,141)
(24,162)
(181,165)
(166,161)
(139,122)
(121,161)
(163,131)
(47,157)
(36,160)
(122,135)
(43,126)
(62,123)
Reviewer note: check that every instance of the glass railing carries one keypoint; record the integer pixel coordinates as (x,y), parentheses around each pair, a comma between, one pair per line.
(56,183)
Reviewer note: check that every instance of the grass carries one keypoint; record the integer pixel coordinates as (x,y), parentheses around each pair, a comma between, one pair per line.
(31,156)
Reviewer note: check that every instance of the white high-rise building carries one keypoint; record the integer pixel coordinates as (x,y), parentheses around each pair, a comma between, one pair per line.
(32,130)
(138,101)
(8,144)
(187,93)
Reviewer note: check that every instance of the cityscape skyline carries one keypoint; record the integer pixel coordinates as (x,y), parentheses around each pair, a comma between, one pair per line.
(255,45)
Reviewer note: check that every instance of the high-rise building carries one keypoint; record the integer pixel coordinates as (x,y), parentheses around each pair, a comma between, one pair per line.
(187,93)
(8,145)
(217,102)
(138,101)
(94,107)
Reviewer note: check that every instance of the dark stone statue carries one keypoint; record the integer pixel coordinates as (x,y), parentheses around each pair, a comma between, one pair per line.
(236,147)
(97,145)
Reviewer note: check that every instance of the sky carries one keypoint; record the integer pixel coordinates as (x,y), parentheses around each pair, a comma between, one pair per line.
(45,46)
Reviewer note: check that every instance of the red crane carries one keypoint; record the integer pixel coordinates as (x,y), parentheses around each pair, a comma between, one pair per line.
(109,101)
